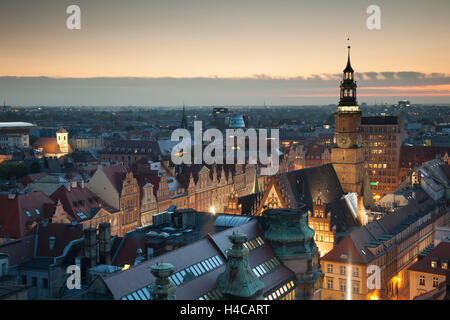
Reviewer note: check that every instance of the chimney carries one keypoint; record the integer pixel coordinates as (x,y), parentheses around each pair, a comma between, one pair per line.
(89,259)
(148,250)
(163,288)
(104,238)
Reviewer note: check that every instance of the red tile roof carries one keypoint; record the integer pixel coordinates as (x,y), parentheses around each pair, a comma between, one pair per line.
(345,252)
(64,233)
(78,200)
(33,177)
(19,250)
(21,211)
(116,174)
(440,253)
(22,249)
(49,145)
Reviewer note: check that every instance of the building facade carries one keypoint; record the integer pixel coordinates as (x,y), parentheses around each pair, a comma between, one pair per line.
(382,140)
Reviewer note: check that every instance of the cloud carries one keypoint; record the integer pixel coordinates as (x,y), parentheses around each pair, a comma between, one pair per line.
(214,90)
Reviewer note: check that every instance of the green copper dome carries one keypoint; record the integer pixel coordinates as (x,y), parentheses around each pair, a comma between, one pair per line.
(288,232)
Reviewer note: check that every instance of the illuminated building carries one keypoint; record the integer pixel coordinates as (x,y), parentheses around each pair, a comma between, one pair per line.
(382,140)
(391,243)
(430,271)
(320,221)
(54,147)
(347,155)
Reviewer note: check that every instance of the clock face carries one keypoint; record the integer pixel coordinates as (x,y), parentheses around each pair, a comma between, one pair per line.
(344,141)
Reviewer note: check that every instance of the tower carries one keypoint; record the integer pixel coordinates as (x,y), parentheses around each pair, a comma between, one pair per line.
(183,120)
(62,138)
(347,155)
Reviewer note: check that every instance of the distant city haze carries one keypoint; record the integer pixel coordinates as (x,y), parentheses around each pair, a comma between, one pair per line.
(216,52)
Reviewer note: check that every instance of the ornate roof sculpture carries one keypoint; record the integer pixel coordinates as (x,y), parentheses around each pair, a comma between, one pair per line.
(238,281)
(288,233)
(163,288)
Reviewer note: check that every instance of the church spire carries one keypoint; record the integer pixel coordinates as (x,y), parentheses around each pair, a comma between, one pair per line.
(348,68)
(348,88)
(183,119)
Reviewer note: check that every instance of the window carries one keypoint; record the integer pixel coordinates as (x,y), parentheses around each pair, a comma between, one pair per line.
(330,268)
(343,270)
(435,282)
(433,264)
(330,284)
(421,280)
(24,279)
(356,288)
(45,283)
(34,282)
(343,287)
(444,265)
(356,272)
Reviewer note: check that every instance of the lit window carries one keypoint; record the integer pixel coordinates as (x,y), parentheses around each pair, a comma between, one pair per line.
(433,263)
(444,265)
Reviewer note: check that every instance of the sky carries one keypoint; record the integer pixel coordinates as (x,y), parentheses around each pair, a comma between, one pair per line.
(221,52)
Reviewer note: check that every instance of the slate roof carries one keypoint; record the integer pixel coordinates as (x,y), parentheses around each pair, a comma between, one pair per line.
(355,243)
(126,282)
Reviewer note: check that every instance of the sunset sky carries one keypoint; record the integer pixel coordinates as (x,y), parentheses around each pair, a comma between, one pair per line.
(202,52)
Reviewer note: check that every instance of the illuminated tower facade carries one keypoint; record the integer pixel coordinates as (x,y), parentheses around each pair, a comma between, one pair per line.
(347,154)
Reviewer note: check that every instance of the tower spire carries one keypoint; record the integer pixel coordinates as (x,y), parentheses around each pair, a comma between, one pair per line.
(183,119)
(348,86)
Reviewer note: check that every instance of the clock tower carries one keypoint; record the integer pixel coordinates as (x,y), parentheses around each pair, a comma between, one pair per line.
(347,155)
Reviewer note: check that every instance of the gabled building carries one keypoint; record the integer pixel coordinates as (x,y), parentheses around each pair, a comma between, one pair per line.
(81,205)
(21,212)
(120,190)
(430,271)
(40,259)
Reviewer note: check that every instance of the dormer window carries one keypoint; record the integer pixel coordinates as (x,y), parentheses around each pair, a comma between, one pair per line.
(434,264)
(444,265)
